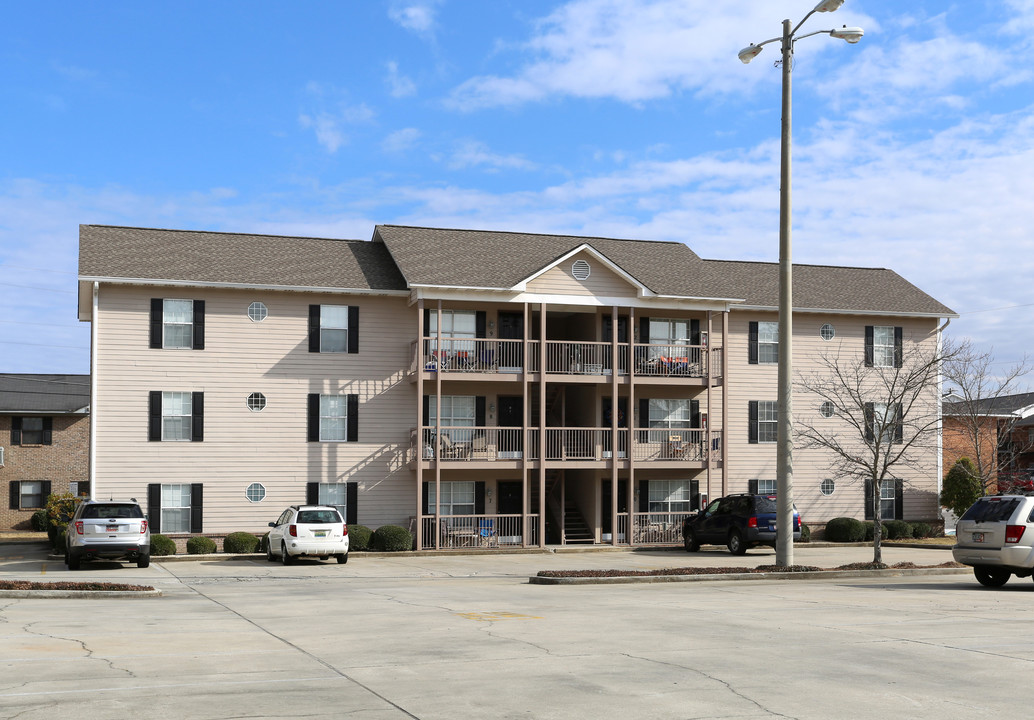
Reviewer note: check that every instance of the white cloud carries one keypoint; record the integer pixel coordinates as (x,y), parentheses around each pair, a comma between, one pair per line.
(418,17)
(471,153)
(333,115)
(401,140)
(399,85)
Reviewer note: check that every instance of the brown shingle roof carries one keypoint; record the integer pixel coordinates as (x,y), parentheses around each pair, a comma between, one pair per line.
(44,394)
(214,257)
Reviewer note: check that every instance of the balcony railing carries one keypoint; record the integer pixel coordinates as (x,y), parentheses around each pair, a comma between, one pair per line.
(569,444)
(479,531)
(657,528)
(671,360)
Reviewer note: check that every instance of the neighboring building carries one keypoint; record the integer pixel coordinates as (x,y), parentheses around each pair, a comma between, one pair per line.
(1000,431)
(471,373)
(44,441)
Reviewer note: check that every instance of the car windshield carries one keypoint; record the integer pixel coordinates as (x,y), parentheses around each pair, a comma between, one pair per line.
(992,509)
(318,516)
(95,512)
(765,504)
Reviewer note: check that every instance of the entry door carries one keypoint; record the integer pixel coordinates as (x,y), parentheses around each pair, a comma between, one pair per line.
(511,327)
(511,415)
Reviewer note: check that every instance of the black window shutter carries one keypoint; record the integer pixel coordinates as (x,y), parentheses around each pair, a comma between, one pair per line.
(353,329)
(752,343)
(199,325)
(694,414)
(752,487)
(752,422)
(899,346)
(870,418)
(196,507)
(868,500)
(48,431)
(427,411)
(312,493)
(154,416)
(314,328)
(481,324)
(352,421)
(899,500)
(479,497)
(313,418)
(869,342)
(427,322)
(644,330)
(424,499)
(197,417)
(899,425)
(14,492)
(479,411)
(644,418)
(352,503)
(694,495)
(154,507)
(644,496)
(157,320)
(694,332)
(16,430)
(44,488)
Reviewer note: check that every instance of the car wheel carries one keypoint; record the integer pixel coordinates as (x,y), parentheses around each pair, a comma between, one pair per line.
(285,557)
(991,577)
(74,561)
(342,558)
(736,544)
(689,540)
(143,561)
(270,557)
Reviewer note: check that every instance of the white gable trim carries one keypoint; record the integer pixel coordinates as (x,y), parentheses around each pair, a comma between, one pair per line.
(641,289)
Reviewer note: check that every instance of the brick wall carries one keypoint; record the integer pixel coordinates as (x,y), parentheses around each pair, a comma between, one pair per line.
(957,442)
(64,461)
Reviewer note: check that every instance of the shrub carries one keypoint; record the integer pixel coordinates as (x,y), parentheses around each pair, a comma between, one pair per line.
(922,530)
(162,545)
(805,533)
(392,538)
(39,520)
(870,531)
(200,545)
(962,487)
(845,529)
(898,529)
(240,543)
(60,509)
(359,537)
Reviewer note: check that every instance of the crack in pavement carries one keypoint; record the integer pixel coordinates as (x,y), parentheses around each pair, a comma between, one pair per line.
(89,653)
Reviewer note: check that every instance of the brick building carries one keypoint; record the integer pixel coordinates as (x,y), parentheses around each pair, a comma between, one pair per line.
(44,441)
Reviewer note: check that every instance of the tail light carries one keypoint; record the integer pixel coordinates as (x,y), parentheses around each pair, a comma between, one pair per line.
(143,526)
(752,521)
(344,530)
(1013,533)
(79,527)
(292,530)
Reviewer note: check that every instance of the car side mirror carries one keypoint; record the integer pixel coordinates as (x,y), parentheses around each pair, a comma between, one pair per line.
(272,524)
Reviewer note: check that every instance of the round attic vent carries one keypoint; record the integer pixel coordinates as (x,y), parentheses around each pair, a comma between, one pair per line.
(580,270)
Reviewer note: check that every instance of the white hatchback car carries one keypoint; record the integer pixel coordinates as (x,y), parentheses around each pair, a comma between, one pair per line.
(996,537)
(309,530)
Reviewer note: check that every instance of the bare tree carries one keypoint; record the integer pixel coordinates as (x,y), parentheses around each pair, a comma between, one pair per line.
(881,420)
(982,406)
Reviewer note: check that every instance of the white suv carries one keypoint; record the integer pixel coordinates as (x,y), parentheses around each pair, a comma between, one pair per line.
(312,530)
(996,537)
(107,530)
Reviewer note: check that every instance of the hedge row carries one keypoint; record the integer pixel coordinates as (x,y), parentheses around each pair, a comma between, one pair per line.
(845,529)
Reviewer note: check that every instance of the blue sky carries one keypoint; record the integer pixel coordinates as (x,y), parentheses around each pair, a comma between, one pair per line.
(913,150)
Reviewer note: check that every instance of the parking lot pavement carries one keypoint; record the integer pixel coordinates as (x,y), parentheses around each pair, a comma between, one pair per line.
(441,637)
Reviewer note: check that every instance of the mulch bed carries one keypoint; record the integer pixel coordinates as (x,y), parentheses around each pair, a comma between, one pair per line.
(734,570)
(104,586)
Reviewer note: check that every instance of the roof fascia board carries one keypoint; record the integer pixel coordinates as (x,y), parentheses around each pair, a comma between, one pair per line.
(832,311)
(449,292)
(585,247)
(241,286)
(508,296)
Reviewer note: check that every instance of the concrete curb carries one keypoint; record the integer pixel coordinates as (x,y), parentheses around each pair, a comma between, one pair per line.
(80,594)
(713,577)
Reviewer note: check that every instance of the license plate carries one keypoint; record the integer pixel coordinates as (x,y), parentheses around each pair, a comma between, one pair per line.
(978,537)
(112,528)
(320,533)
(772,527)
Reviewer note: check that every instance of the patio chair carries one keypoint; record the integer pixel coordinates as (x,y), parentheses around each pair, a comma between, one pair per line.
(676,447)
(487,533)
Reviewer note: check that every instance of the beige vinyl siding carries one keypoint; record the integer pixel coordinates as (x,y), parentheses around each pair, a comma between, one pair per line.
(602,281)
(241,446)
(748,382)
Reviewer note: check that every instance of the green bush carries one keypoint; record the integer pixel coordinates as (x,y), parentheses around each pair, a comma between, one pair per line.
(845,529)
(162,545)
(239,543)
(805,533)
(60,509)
(870,531)
(39,520)
(391,538)
(922,530)
(200,545)
(898,529)
(359,537)
(961,487)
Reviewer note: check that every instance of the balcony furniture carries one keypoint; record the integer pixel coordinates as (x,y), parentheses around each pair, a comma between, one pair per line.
(676,447)
(487,533)
(454,450)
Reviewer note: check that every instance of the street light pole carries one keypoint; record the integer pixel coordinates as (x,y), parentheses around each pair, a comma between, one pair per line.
(784,400)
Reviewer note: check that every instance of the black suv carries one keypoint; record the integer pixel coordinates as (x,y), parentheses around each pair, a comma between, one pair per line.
(738,521)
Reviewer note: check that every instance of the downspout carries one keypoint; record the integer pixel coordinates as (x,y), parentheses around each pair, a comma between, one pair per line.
(940,413)
(93,391)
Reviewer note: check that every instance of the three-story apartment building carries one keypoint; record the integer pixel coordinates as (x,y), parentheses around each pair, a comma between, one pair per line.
(481,388)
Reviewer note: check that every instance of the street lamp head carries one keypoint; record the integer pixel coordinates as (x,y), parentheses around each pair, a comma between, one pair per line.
(828,5)
(850,34)
(749,53)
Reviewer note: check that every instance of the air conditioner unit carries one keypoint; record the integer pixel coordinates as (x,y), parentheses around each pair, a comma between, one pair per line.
(1,457)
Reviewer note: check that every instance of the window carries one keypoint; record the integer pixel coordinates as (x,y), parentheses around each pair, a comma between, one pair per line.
(79,488)
(827,487)
(827,332)
(257,311)
(457,327)
(768,343)
(884,346)
(827,409)
(177,324)
(256,492)
(175,512)
(458,411)
(31,430)
(669,414)
(176,416)
(31,495)
(333,418)
(670,333)
(256,402)
(883,421)
(333,328)
(335,495)
(888,499)
(457,498)
(763,421)
(766,487)
(669,496)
